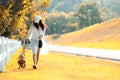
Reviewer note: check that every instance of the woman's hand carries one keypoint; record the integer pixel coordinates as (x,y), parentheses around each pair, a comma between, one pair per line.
(27,41)
(40,37)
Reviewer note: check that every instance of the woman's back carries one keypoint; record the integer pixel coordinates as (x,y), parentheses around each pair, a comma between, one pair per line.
(35,33)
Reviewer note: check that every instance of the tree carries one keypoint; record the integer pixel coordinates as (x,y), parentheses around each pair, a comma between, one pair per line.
(11,16)
(64,22)
(17,13)
(88,14)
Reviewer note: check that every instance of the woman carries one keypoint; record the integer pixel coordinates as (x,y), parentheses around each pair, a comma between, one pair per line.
(35,35)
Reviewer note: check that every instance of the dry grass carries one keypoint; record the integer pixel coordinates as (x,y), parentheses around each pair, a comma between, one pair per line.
(56,66)
(105,35)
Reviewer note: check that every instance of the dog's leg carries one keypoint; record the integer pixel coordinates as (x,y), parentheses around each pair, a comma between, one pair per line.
(24,65)
(19,67)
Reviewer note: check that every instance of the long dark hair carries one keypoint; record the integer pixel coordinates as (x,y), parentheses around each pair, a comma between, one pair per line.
(41,24)
(36,25)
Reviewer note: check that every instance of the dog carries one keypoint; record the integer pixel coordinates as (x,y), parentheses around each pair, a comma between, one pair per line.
(22,60)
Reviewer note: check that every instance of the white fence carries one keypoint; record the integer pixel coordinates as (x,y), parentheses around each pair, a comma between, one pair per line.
(7,48)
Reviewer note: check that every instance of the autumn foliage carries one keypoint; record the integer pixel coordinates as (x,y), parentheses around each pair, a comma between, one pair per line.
(16,17)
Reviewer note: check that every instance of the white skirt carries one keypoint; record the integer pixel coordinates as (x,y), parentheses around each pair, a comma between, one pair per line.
(34,45)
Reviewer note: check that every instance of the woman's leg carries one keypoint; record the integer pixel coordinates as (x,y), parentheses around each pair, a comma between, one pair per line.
(38,52)
(35,59)
(39,48)
(34,47)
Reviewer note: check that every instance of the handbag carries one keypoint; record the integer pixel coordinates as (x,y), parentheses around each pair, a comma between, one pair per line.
(27,44)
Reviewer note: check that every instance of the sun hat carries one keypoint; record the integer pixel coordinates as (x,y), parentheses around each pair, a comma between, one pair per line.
(37,19)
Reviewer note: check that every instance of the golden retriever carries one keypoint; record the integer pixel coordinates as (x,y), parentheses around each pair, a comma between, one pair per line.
(22,59)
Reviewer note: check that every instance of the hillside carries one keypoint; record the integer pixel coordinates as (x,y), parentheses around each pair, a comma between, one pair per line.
(104,35)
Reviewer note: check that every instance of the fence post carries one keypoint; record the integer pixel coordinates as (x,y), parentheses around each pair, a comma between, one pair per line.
(7,50)
(2,68)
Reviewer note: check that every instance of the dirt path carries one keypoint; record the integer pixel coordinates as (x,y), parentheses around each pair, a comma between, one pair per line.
(55,66)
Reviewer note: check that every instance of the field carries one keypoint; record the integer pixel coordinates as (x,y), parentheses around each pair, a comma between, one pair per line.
(59,66)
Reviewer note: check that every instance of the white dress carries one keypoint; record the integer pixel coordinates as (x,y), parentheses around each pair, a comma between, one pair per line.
(34,39)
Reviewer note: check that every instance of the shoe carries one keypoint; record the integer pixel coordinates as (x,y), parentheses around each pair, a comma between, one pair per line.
(34,67)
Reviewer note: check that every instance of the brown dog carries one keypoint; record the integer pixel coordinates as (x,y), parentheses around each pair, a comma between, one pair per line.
(22,59)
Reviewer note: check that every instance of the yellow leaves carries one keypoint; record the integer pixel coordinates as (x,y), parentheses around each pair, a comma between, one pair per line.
(14,20)
(14,37)
(40,12)
(38,8)
(45,3)
(26,2)
(4,14)
(19,19)
(23,31)
(10,6)
(4,19)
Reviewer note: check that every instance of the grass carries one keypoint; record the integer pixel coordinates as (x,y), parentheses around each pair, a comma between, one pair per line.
(101,45)
(58,66)
(105,35)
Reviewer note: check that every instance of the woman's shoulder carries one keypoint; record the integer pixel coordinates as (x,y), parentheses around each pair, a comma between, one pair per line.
(32,27)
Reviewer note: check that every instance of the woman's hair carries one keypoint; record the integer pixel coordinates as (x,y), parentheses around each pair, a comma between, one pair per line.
(36,25)
(41,24)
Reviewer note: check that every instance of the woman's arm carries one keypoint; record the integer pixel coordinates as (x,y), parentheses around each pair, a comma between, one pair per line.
(45,26)
(29,32)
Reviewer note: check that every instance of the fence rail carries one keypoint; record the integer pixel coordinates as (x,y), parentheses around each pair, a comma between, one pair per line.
(7,48)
